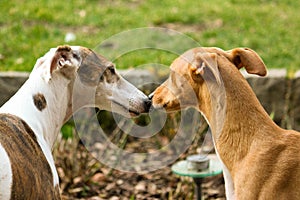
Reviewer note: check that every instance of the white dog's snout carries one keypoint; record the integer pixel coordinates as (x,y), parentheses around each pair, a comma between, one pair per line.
(139,100)
(141,104)
(148,104)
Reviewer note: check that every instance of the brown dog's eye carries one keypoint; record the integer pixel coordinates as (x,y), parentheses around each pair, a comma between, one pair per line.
(196,77)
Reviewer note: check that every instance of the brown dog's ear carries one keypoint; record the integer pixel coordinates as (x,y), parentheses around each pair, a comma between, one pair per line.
(204,65)
(245,57)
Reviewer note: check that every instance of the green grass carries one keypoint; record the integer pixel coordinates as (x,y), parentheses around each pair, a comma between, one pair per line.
(29,28)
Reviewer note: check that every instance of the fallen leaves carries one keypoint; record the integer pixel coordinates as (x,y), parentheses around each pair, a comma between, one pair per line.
(83,177)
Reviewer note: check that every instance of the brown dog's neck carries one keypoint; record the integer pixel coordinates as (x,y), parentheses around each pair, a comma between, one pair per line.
(245,120)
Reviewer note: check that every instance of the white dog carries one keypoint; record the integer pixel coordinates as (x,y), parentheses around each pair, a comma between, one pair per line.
(31,120)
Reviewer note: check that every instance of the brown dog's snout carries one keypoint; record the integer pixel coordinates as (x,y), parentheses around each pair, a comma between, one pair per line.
(157,97)
(163,97)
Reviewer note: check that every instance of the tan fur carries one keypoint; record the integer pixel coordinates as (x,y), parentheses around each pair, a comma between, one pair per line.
(263,159)
(19,141)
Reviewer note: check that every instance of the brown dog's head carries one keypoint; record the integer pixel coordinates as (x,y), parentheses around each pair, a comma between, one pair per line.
(187,83)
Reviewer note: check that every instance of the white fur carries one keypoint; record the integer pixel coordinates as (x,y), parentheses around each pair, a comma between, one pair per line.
(5,175)
(43,124)
(46,124)
(229,187)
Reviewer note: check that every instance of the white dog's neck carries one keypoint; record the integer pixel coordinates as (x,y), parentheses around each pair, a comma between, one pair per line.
(47,121)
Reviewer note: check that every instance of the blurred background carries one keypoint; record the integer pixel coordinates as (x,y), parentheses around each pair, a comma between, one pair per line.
(28,29)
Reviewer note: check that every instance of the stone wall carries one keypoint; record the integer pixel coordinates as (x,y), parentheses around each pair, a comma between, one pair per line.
(279,95)
(10,82)
(275,93)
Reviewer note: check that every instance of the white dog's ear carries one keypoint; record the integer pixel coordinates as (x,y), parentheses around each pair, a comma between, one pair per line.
(61,58)
(65,60)
(245,57)
(205,67)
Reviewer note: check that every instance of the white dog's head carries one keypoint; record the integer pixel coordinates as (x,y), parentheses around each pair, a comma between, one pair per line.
(93,81)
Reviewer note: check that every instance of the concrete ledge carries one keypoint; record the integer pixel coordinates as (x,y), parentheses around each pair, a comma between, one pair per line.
(294,104)
(271,93)
(272,73)
(10,82)
(277,93)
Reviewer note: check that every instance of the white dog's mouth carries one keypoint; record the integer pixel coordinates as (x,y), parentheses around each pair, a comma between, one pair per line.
(133,113)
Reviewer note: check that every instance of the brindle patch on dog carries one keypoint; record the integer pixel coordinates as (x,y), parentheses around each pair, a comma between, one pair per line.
(39,101)
(32,175)
(92,67)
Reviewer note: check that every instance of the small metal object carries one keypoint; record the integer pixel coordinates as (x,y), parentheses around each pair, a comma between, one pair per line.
(197,162)
(213,168)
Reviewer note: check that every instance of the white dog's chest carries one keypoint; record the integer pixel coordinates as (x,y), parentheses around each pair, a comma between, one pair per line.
(27,168)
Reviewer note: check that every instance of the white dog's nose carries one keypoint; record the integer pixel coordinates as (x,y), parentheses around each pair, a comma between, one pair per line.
(148,104)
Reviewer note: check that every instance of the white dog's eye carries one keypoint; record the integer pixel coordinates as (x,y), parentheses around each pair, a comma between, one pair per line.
(109,74)
(112,70)
(76,56)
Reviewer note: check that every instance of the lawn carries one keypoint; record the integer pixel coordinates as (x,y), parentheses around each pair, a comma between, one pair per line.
(28,29)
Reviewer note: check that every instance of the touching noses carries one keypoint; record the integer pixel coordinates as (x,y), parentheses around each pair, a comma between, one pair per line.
(147,104)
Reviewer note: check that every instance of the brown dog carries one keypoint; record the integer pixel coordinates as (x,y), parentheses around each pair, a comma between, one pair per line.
(261,160)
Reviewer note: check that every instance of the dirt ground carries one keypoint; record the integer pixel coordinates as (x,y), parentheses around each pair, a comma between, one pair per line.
(100,182)
(84,177)
(161,184)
